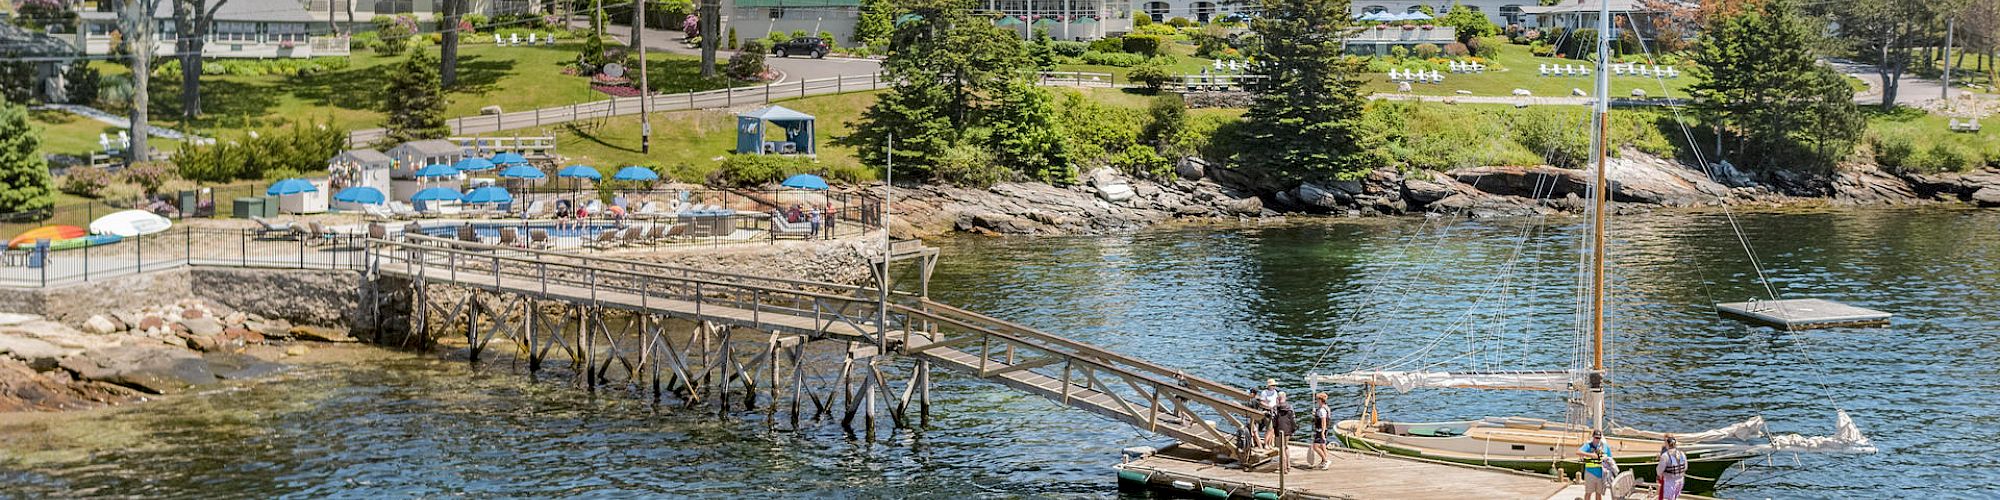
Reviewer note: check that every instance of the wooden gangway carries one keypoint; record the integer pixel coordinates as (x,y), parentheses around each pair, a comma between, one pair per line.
(1199,412)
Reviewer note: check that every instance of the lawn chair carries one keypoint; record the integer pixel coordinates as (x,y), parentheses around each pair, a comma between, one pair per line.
(513,39)
(655,233)
(413,229)
(784,228)
(533,38)
(633,236)
(537,209)
(538,238)
(594,207)
(508,238)
(467,234)
(651,209)
(604,239)
(267,228)
(377,212)
(403,210)
(549,40)
(318,234)
(377,231)
(676,231)
(497,40)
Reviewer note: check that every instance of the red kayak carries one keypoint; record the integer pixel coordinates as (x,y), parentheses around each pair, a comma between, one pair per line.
(52,233)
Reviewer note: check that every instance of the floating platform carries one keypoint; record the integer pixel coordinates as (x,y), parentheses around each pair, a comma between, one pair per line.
(1353,474)
(1803,314)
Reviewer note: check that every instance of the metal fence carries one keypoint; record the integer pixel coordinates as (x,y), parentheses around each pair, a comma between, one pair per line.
(180,247)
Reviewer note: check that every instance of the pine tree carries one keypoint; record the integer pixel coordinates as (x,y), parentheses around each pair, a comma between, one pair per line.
(415,100)
(877,22)
(1306,121)
(24,177)
(1776,106)
(947,67)
(1028,137)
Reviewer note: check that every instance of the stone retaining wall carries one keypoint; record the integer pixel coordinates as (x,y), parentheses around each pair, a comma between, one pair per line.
(329,298)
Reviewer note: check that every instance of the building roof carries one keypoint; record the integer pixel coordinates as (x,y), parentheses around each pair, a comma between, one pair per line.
(766,4)
(433,147)
(18,41)
(366,156)
(269,11)
(1583,7)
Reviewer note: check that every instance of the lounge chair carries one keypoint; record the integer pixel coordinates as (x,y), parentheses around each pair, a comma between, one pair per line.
(377,231)
(783,228)
(650,209)
(467,234)
(633,235)
(377,213)
(509,238)
(605,239)
(537,209)
(594,207)
(266,228)
(318,234)
(656,232)
(538,238)
(403,210)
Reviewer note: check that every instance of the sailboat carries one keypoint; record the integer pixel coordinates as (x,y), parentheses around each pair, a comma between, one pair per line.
(1542,445)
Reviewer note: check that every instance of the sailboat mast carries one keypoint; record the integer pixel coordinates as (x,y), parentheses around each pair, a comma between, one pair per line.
(1599,195)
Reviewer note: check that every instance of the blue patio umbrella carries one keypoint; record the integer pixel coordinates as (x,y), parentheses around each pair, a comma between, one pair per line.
(439,193)
(510,159)
(487,194)
(436,170)
(360,194)
(473,164)
(290,186)
(522,172)
(636,173)
(805,181)
(580,172)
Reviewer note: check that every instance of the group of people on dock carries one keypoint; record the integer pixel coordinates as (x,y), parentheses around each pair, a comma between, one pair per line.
(1278,423)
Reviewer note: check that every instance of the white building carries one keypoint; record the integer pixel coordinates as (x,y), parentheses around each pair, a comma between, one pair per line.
(1200,11)
(1063,19)
(1501,12)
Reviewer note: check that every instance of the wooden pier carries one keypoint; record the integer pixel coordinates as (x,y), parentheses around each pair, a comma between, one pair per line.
(746,344)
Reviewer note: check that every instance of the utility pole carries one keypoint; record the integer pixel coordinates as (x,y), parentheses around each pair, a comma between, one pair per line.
(645,87)
(1951,25)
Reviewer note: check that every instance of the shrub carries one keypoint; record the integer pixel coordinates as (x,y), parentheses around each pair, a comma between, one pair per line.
(476,21)
(1455,49)
(968,164)
(1119,59)
(746,170)
(1947,157)
(1486,46)
(1399,52)
(85,181)
(1179,22)
(1107,45)
(1141,19)
(830,41)
(1141,160)
(1426,50)
(1893,150)
(1069,49)
(1539,49)
(748,63)
(1153,73)
(83,81)
(395,33)
(149,176)
(732,38)
(299,147)
(1146,45)
(777,37)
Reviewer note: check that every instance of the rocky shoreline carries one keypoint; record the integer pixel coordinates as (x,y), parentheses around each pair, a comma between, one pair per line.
(1111,202)
(123,356)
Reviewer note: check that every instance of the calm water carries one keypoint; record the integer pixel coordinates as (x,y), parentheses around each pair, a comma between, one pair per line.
(1237,304)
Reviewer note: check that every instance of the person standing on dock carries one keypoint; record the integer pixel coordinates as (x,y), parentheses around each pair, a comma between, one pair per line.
(1672,469)
(1594,454)
(1268,401)
(1322,420)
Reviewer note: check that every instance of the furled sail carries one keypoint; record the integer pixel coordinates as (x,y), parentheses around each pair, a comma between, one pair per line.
(1846,438)
(1404,381)
(1742,431)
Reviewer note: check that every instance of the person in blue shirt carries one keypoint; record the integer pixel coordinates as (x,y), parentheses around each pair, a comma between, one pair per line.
(1594,453)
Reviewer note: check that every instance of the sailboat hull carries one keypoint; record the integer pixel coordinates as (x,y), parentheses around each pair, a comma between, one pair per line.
(1704,467)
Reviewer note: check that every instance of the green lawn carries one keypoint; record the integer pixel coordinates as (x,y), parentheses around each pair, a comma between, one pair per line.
(1184,63)
(514,78)
(1515,68)
(1927,136)
(687,145)
(68,134)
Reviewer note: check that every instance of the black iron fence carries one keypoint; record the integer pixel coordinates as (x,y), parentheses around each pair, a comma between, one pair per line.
(180,247)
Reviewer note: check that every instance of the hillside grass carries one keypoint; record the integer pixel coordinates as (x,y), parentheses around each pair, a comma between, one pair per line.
(1515,68)
(1909,139)
(68,134)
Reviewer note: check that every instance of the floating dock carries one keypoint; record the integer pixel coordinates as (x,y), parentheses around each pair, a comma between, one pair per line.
(1353,474)
(1803,314)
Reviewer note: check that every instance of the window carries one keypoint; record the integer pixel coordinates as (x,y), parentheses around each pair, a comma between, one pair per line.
(395,6)
(1158,11)
(778,13)
(1511,13)
(1374,9)
(1414,8)
(287,32)
(233,31)
(1202,11)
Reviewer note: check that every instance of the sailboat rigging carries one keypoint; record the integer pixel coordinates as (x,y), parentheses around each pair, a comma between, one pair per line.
(1542,445)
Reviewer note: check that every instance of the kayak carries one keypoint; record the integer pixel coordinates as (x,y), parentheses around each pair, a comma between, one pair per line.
(87,241)
(130,223)
(53,233)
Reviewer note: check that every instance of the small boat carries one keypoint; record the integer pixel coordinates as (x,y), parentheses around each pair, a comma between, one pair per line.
(52,233)
(86,241)
(130,223)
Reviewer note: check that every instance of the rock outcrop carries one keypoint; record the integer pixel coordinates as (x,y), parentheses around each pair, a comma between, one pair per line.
(1107,202)
(48,365)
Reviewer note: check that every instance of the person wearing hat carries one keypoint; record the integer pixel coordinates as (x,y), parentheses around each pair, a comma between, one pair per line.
(1322,420)
(1672,469)
(1268,401)
(1595,453)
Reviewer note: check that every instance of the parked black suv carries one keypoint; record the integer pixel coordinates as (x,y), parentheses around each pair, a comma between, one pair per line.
(813,46)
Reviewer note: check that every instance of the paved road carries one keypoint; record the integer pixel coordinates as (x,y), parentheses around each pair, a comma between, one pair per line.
(794,68)
(1911,91)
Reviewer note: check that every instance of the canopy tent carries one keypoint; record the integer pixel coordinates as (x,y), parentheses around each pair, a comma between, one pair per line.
(360,194)
(290,186)
(798,131)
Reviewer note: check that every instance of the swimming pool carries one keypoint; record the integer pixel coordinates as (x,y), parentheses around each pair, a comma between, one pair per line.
(491,229)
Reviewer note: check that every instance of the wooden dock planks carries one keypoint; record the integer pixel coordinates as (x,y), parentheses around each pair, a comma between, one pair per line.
(1802,314)
(1356,474)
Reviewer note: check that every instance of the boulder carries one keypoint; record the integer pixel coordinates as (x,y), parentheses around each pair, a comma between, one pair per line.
(1349,187)
(1424,192)
(1192,168)
(193,314)
(1547,182)
(100,325)
(1248,205)
(1103,176)
(36,352)
(1114,193)
(1314,196)
(206,327)
(489,110)
(151,323)
(321,334)
(203,343)
(233,366)
(156,370)
(1987,196)
(14,319)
